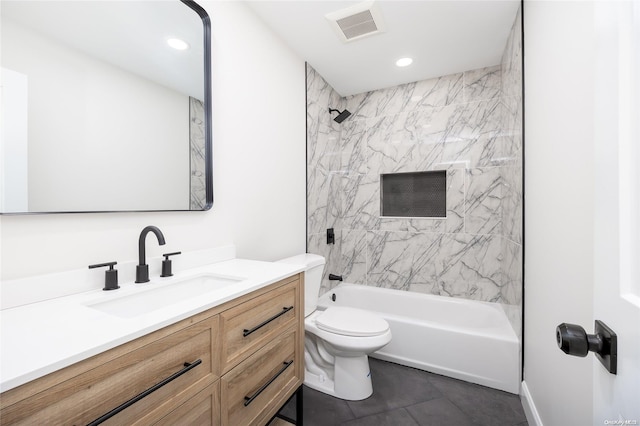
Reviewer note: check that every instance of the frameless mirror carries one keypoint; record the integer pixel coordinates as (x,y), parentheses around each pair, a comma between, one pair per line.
(105,106)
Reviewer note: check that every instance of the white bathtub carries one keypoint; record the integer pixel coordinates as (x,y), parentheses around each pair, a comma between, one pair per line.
(459,338)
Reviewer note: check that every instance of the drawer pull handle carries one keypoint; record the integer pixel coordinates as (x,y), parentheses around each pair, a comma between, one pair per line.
(104,417)
(247,332)
(249,399)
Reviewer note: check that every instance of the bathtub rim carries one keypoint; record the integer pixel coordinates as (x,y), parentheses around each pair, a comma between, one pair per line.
(504,332)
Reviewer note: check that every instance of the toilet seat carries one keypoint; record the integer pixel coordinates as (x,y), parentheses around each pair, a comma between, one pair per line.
(351,322)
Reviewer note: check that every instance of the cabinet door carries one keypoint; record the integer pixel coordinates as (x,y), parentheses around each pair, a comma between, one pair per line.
(203,409)
(253,391)
(103,386)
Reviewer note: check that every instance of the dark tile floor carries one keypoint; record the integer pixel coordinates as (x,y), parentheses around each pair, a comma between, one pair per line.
(404,396)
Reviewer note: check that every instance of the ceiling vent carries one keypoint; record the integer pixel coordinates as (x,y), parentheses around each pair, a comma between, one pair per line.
(357,21)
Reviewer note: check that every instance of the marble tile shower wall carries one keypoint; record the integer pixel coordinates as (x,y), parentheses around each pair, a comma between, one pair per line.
(460,123)
(450,123)
(323,172)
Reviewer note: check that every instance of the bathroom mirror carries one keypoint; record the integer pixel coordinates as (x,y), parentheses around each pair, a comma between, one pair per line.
(99,112)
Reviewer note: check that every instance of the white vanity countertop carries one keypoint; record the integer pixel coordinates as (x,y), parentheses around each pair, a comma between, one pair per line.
(39,338)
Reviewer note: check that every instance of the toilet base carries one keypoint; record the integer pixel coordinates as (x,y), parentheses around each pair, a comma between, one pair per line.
(353,379)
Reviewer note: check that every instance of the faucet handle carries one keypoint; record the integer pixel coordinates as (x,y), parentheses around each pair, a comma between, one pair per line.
(166,264)
(166,255)
(110,275)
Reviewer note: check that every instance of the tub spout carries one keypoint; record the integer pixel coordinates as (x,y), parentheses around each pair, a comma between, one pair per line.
(335,277)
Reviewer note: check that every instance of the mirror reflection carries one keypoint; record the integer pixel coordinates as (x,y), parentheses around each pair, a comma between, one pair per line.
(103,107)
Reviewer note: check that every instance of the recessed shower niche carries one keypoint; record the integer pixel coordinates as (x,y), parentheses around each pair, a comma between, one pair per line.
(414,194)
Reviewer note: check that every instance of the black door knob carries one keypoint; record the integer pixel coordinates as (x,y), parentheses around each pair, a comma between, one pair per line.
(573,340)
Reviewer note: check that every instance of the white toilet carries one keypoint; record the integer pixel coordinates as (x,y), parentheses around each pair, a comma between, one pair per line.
(337,340)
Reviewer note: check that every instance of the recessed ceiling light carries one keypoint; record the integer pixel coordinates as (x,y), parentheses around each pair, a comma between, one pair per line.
(403,62)
(177,44)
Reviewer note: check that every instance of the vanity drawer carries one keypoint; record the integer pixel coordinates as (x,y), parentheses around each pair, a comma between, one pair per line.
(253,391)
(250,325)
(201,410)
(102,386)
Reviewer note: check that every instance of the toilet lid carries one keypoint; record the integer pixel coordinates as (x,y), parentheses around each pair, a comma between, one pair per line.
(351,322)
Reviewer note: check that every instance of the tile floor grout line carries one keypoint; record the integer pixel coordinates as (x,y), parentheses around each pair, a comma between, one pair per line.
(412,416)
(404,389)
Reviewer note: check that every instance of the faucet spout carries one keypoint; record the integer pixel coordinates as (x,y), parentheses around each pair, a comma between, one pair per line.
(142,270)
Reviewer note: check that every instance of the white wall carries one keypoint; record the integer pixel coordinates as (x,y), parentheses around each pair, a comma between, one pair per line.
(559,90)
(259,169)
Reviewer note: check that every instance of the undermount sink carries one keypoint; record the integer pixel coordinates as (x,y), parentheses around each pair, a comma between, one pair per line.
(157,296)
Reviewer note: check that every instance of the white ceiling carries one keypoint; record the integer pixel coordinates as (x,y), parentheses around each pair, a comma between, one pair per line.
(128,34)
(443,37)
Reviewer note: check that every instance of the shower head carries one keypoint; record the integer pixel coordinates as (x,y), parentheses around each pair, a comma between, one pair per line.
(341,115)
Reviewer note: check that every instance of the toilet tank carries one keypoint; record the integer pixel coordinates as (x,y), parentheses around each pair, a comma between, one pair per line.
(314,266)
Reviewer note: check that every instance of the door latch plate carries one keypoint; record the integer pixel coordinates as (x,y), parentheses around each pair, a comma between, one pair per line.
(609,354)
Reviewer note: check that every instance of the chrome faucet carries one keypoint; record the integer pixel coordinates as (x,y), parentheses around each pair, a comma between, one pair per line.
(142,270)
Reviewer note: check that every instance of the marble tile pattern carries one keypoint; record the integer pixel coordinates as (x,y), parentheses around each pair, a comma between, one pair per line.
(468,124)
(324,195)
(512,191)
(198,195)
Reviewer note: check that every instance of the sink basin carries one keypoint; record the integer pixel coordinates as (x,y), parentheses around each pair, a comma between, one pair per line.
(158,296)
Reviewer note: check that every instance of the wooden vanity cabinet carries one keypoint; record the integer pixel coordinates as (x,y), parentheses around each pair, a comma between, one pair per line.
(253,391)
(262,353)
(252,324)
(83,392)
(201,409)
(225,367)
